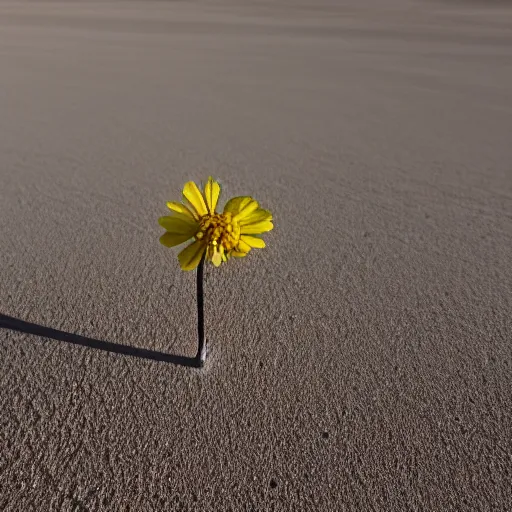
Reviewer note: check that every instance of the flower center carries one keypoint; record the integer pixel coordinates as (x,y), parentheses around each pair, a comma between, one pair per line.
(219,229)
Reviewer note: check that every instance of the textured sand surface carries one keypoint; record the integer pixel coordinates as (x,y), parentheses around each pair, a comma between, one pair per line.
(362,361)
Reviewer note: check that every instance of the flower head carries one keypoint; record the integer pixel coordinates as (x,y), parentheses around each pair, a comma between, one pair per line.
(219,235)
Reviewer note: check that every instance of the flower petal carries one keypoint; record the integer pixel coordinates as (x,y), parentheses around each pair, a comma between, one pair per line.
(241,246)
(182,209)
(193,195)
(237,254)
(211,193)
(217,257)
(179,225)
(190,257)
(246,210)
(172,239)
(257,228)
(257,216)
(252,241)
(235,204)
(184,218)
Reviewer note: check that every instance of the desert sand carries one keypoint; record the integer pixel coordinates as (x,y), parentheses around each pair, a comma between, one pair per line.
(362,361)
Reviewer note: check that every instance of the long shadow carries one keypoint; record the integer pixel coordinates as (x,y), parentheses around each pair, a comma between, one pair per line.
(8,322)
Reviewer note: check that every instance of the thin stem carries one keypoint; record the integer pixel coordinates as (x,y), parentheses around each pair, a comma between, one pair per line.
(201,342)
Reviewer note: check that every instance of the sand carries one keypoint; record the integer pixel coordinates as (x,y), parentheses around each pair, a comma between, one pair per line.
(362,361)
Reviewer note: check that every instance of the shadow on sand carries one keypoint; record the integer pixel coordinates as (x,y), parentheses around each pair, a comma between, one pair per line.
(8,322)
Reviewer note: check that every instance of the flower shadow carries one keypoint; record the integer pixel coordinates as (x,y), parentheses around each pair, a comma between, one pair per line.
(14,324)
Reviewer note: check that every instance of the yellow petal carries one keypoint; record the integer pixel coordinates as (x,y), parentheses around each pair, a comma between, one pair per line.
(217,258)
(257,216)
(184,218)
(253,241)
(190,257)
(235,204)
(182,209)
(179,225)
(246,210)
(257,228)
(237,254)
(242,246)
(211,193)
(215,253)
(193,195)
(172,239)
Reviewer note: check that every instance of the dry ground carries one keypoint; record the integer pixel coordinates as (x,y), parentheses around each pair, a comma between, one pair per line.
(362,361)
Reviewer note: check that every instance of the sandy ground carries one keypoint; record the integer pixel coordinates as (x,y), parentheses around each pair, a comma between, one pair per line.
(362,361)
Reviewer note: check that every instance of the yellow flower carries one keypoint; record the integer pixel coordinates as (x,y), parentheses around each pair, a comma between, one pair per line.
(220,235)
